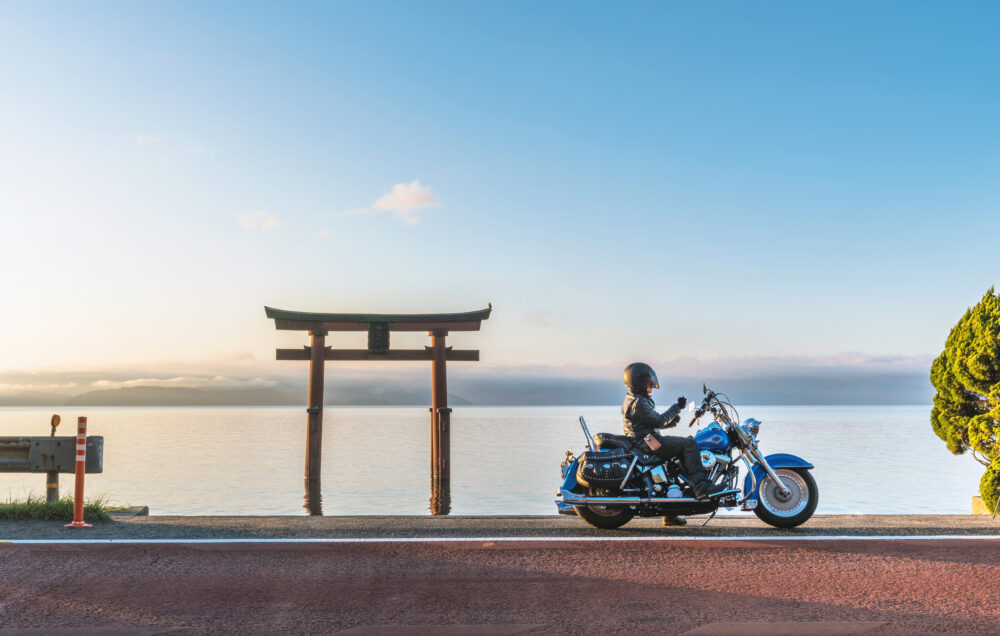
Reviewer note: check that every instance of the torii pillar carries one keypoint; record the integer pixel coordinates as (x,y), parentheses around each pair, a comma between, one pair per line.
(378,327)
(440,427)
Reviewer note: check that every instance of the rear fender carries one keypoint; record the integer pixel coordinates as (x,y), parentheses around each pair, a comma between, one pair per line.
(569,483)
(569,474)
(778,460)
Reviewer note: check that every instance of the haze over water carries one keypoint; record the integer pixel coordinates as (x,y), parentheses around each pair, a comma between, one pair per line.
(505,460)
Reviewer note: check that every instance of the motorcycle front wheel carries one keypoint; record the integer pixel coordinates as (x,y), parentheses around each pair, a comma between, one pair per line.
(604,517)
(790,510)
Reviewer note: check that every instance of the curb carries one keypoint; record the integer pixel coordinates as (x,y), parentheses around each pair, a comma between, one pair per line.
(131,511)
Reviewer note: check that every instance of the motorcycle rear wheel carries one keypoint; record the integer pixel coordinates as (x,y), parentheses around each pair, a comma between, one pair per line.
(604,517)
(793,510)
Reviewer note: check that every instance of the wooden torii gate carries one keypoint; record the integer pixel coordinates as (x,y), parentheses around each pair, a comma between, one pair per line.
(378,327)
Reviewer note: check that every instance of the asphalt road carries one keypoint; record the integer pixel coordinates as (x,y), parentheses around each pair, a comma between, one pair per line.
(941,586)
(391,576)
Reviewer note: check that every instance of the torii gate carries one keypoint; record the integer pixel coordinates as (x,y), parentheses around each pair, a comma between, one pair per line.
(378,327)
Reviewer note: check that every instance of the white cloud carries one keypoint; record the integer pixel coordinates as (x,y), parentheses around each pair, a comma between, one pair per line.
(404,198)
(45,388)
(851,363)
(259,219)
(194,382)
(403,201)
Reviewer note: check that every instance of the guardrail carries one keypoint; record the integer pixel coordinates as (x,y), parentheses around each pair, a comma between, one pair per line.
(48,454)
(51,455)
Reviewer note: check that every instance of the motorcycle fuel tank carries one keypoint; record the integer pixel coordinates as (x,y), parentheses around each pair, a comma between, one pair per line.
(713,437)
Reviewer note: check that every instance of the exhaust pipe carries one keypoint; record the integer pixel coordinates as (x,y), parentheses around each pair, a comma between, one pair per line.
(574,499)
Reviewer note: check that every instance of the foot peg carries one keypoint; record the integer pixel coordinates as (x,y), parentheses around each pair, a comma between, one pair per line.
(706,490)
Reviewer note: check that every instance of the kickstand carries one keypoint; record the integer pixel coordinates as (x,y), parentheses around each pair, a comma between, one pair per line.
(709,517)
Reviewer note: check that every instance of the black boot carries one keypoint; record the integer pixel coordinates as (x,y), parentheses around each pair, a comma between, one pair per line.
(705,489)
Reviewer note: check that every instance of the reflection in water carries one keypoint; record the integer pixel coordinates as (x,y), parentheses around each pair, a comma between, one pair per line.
(313,500)
(440,496)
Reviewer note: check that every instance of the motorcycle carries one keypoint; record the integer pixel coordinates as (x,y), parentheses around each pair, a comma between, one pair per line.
(618,478)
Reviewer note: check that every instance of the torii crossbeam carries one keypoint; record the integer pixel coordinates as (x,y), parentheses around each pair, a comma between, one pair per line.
(378,327)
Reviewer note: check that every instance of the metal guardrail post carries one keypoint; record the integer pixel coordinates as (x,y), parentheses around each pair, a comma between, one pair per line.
(52,477)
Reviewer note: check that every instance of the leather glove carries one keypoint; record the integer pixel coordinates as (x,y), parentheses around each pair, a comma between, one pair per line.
(682,401)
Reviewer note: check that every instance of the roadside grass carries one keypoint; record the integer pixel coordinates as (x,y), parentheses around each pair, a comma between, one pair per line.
(35,507)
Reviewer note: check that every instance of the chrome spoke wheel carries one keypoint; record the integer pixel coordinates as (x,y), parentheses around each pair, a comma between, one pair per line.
(605,511)
(604,516)
(602,509)
(788,504)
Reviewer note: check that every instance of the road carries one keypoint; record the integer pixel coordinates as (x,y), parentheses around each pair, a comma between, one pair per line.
(303,527)
(552,581)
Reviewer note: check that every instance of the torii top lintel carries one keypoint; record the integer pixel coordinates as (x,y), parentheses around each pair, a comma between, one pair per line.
(308,321)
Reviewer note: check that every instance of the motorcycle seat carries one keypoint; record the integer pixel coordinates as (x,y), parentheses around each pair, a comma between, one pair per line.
(609,440)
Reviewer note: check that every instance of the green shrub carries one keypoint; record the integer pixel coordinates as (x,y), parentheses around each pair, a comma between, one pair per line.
(35,507)
(989,486)
(966,413)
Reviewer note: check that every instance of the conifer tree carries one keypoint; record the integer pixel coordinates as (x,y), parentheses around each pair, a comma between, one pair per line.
(966,413)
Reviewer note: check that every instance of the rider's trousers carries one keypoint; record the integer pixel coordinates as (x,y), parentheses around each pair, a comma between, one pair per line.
(685,448)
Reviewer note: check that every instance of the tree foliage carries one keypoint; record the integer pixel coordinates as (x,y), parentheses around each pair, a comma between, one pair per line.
(989,485)
(966,413)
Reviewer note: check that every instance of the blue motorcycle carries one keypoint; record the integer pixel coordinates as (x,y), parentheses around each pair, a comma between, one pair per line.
(618,478)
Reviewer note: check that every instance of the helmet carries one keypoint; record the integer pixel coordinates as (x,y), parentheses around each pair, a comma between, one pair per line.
(637,374)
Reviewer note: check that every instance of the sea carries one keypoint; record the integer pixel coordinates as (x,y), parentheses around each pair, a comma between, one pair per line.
(505,460)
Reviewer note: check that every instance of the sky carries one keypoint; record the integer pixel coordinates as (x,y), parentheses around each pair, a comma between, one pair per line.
(748,189)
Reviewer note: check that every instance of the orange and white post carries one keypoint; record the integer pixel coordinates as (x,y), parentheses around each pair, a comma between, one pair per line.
(81,465)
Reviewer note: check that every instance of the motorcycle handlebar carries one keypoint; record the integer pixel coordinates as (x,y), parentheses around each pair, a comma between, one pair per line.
(697,415)
(709,394)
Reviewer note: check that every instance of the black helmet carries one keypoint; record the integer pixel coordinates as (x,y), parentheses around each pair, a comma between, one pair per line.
(636,376)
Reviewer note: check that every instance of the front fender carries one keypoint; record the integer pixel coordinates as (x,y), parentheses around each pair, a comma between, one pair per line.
(779,460)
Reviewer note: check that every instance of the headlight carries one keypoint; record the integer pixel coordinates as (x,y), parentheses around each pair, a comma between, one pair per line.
(751,427)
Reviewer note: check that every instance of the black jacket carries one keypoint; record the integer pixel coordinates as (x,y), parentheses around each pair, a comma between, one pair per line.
(640,417)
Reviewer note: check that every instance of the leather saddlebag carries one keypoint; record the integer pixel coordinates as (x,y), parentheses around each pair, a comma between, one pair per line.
(604,469)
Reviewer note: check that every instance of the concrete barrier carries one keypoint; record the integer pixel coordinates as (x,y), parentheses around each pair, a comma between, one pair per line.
(978,507)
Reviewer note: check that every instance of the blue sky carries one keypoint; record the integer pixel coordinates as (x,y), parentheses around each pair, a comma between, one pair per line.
(714,182)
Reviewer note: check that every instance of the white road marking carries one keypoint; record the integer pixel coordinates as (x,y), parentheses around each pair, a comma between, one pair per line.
(506,539)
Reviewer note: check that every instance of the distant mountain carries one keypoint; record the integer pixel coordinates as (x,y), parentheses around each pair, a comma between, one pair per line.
(184,396)
(355,394)
(815,387)
(34,398)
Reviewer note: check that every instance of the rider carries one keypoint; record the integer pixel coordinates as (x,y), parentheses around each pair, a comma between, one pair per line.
(641,419)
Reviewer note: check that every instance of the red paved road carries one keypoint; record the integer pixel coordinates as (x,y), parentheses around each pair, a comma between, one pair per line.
(862,586)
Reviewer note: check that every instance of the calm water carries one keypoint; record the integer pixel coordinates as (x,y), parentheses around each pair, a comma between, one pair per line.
(246,461)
